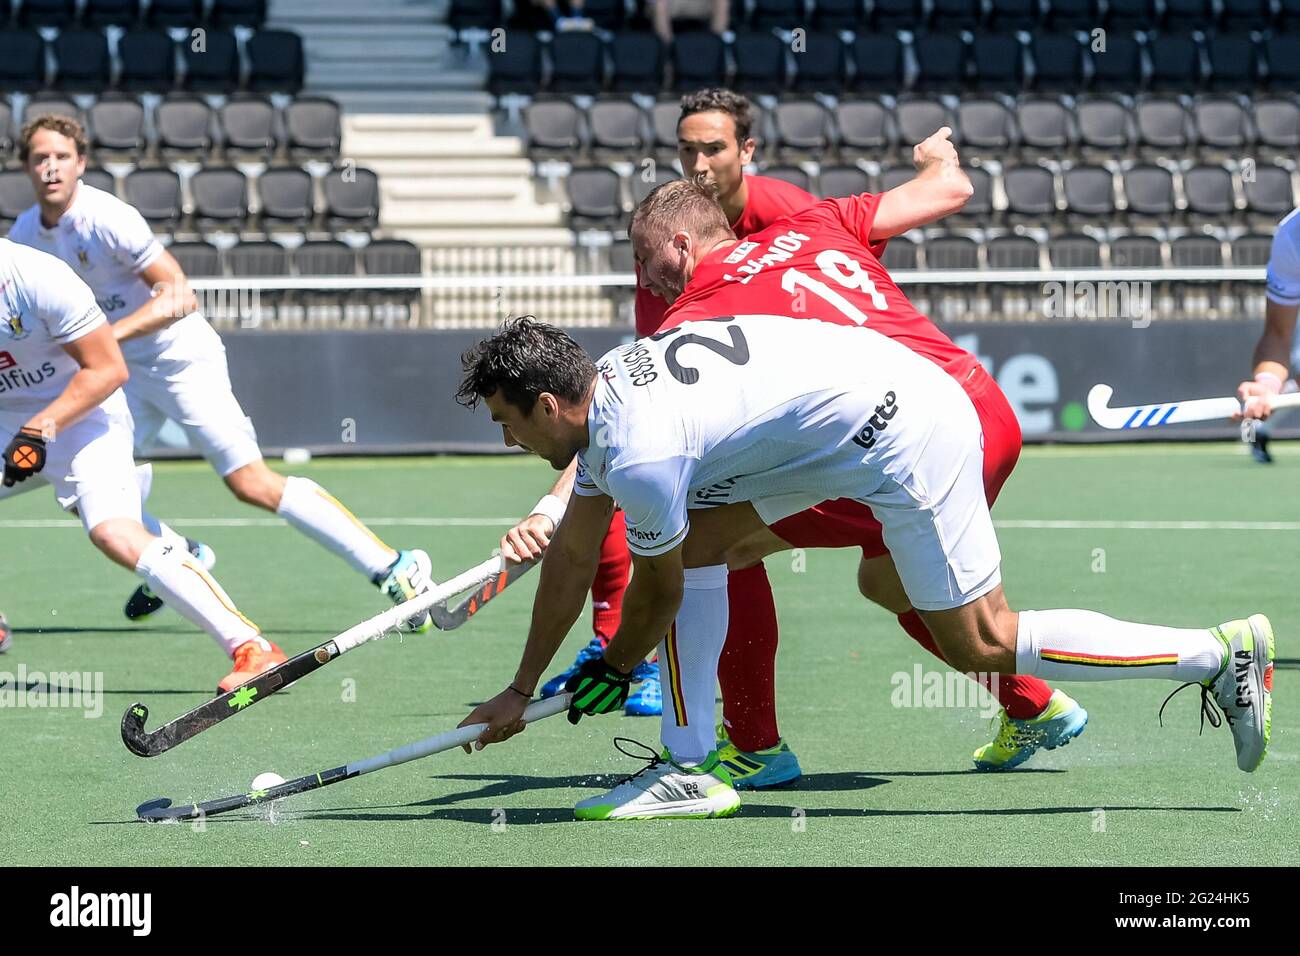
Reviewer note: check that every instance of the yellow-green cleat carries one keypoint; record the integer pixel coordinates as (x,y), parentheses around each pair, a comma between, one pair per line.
(665,789)
(760,769)
(1018,740)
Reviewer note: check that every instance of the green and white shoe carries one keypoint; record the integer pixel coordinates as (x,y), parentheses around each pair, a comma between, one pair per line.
(409,575)
(1242,689)
(1019,739)
(665,789)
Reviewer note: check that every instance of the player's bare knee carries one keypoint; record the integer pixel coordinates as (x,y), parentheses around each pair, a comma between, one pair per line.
(884,589)
(257,486)
(121,540)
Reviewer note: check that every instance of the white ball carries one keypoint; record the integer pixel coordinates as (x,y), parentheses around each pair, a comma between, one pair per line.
(265,781)
(296,456)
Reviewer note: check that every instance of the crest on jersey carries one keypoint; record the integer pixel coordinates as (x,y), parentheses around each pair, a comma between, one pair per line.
(83,257)
(14,326)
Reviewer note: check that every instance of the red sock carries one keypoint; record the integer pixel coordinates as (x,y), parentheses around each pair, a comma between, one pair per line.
(611,580)
(747,670)
(1022,696)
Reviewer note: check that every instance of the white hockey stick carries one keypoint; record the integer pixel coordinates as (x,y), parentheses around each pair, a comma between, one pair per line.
(1170,413)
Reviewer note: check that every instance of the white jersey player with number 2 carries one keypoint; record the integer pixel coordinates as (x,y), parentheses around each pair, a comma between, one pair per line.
(785,414)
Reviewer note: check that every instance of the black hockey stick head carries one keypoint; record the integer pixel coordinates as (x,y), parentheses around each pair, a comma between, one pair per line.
(154,810)
(133,732)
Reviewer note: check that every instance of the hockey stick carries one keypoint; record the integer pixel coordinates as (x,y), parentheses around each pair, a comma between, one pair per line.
(1170,413)
(445,619)
(152,743)
(162,809)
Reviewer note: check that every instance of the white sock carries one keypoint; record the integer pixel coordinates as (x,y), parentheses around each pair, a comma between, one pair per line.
(688,659)
(320,516)
(177,577)
(1085,645)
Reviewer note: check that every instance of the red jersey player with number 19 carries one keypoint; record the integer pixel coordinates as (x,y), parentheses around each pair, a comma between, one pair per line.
(818,263)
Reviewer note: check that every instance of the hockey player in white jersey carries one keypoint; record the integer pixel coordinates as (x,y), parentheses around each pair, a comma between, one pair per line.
(754,418)
(65,418)
(177,362)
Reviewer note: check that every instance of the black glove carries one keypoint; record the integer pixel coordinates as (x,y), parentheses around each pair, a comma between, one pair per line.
(25,456)
(597,689)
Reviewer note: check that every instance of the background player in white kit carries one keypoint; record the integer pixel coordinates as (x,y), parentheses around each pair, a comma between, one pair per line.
(177,362)
(767,415)
(1278,348)
(61,401)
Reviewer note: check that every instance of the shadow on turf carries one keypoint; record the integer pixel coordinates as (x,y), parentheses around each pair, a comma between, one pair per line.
(45,687)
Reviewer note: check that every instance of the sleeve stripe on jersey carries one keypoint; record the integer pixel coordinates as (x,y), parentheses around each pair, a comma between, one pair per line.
(92,318)
(655,549)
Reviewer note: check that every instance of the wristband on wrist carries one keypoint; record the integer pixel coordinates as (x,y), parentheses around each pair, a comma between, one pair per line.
(1268,378)
(520,692)
(551,507)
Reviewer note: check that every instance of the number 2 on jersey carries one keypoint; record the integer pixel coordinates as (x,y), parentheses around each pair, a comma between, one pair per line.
(844,270)
(737,353)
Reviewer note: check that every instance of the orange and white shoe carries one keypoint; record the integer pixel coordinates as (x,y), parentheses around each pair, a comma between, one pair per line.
(251,658)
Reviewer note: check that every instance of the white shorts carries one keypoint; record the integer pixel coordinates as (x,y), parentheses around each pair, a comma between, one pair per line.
(189,383)
(934,517)
(90,465)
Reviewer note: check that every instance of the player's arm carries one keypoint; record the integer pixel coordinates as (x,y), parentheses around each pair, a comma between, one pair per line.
(940,188)
(531,536)
(1272,355)
(172,299)
(568,569)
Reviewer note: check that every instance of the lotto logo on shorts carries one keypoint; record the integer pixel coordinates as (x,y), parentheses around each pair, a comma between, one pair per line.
(878,422)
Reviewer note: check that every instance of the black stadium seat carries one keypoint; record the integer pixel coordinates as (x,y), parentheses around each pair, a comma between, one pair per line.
(900,255)
(890,15)
(821,67)
(148,61)
(802,127)
(1243,16)
(1222,123)
(642,187)
(699,60)
(286,195)
(998,61)
(220,195)
(1233,62)
(351,199)
(1277,123)
(1136,252)
(391,257)
(837,14)
(866,128)
(198,260)
(577,63)
(840,182)
(1283,55)
(16,195)
(985,126)
(1162,125)
(777,14)
(22,60)
(1175,63)
(47,13)
(955,15)
(517,66)
(1074,252)
(638,63)
(1149,190)
(184,125)
(81,58)
(1045,125)
(941,60)
(1013,252)
(790,174)
(1208,189)
(1119,68)
(313,127)
(952,252)
(1269,192)
(325,257)
(1196,252)
(275,61)
(1058,62)
(878,63)
(595,197)
(156,193)
(1031,193)
(1187,16)
(227,14)
(1105,125)
(248,127)
(553,128)
(1067,16)
(1127,15)
(760,63)
(174,13)
(617,129)
(1089,192)
(258,259)
(475,14)
(99,179)
(111,13)
(213,66)
(1007,16)
(919,118)
(117,125)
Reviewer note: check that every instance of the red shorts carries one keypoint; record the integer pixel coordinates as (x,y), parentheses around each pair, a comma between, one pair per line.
(845,523)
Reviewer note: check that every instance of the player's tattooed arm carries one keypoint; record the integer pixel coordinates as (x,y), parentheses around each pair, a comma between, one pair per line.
(940,188)
(172,299)
(530,537)
(102,372)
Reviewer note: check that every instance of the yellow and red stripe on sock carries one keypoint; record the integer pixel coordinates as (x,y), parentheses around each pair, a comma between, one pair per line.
(1107,660)
(673,663)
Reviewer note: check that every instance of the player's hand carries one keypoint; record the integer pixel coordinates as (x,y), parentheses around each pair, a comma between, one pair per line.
(24,456)
(527,540)
(1255,395)
(504,715)
(597,688)
(936,148)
